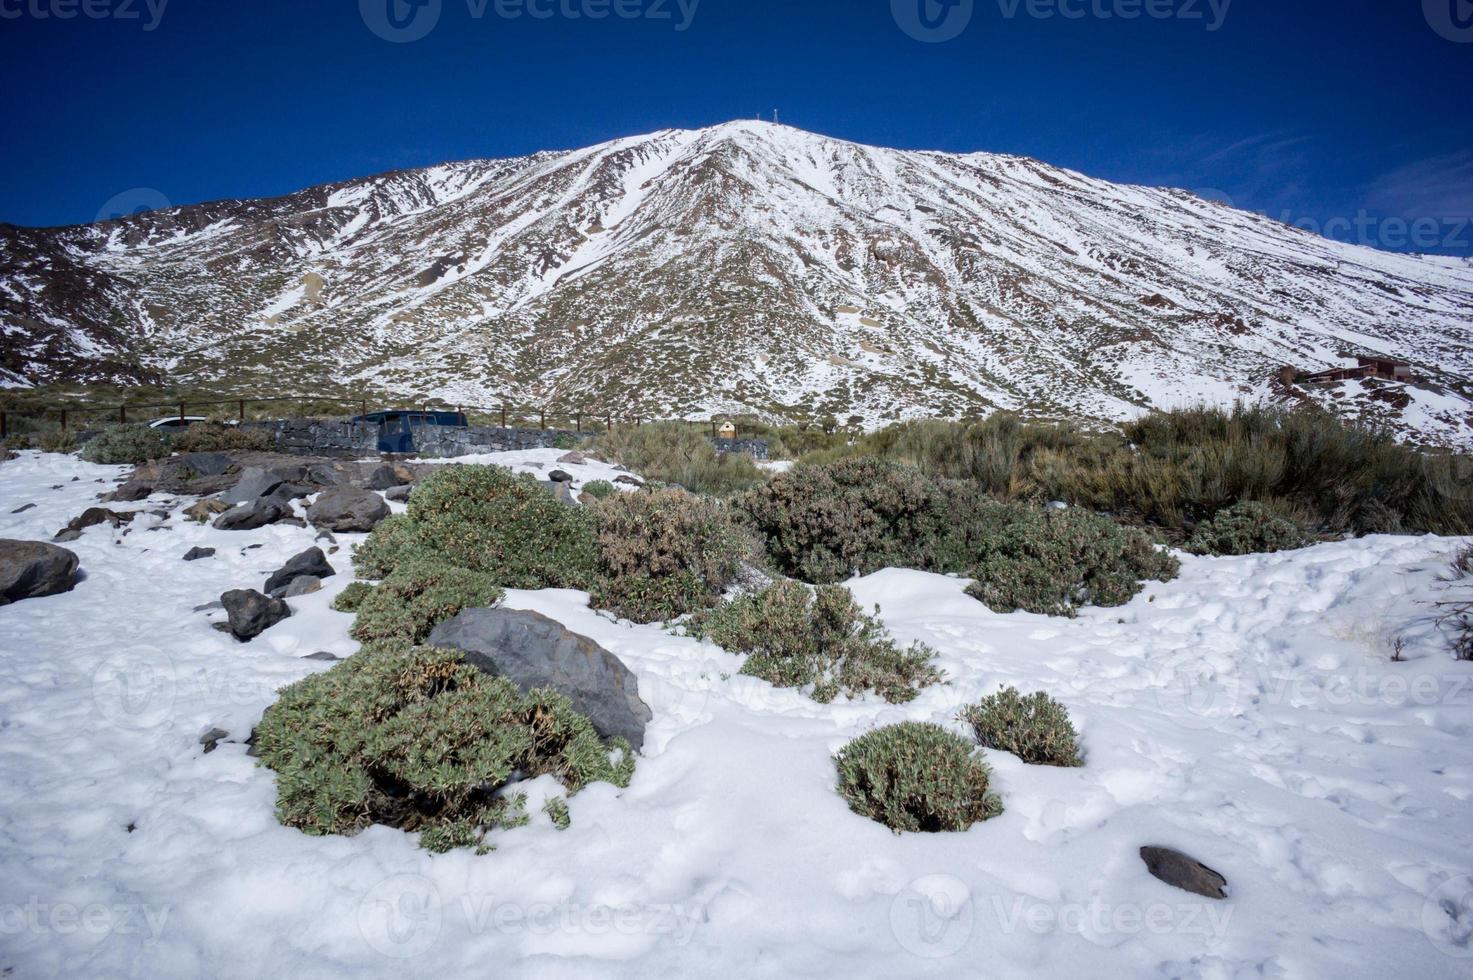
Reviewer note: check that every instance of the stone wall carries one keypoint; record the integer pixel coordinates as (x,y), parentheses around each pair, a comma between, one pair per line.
(319,437)
(755,448)
(445,442)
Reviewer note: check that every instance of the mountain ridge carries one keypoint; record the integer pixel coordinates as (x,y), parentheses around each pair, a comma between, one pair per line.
(746,267)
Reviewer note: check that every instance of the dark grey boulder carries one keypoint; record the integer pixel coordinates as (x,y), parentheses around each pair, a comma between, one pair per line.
(382,478)
(347,509)
(23,508)
(1186,873)
(323,475)
(195,554)
(212,739)
(629,481)
(322,655)
(533,651)
(258,481)
(311,562)
(204,464)
(560,476)
(91,517)
(249,516)
(131,491)
(252,613)
(32,569)
(562,491)
(399,495)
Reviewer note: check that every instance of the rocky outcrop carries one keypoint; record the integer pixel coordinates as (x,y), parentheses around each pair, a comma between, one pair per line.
(533,651)
(310,563)
(252,613)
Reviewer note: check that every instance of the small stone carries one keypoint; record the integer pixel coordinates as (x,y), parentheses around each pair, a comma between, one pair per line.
(131,491)
(1186,873)
(205,509)
(560,476)
(212,738)
(322,655)
(629,481)
(573,459)
(195,554)
(311,562)
(399,495)
(23,508)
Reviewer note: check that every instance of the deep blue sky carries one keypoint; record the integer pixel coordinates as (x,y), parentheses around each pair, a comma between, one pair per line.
(1309,110)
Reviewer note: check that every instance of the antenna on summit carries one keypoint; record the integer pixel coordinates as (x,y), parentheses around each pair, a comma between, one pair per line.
(775,119)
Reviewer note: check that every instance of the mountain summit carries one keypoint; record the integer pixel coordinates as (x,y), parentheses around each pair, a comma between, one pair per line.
(746,267)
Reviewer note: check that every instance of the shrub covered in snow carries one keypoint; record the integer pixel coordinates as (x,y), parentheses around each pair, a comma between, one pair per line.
(599,489)
(664,553)
(916,777)
(1246,529)
(1035,728)
(417,739)
(1053,562)
(120,444)
(1460,611)
(672,452)
(794,636)
(417,597)
(212,437)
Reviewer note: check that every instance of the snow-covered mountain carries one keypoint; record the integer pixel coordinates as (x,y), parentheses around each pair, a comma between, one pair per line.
(744,267)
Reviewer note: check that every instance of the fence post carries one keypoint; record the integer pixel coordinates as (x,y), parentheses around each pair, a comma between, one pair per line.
(544,420)
(578,422)
(122,414)
(4,426)
(363,406)
(503,416)
(241,408)
(181,413)
(63,420)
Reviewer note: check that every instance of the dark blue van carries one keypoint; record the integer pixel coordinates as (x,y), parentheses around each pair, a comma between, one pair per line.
(396,428)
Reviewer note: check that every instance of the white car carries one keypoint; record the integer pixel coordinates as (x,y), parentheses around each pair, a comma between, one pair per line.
(177,422)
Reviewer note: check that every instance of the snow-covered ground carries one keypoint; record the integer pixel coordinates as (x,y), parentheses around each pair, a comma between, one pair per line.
(1248,713)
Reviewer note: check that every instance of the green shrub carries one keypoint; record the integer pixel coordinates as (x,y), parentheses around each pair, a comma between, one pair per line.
(419,740)
(824,524)
(599,489)
(1053,562)
(15,442)
(670,452)
(665,553)
(212,437)
(121,444)
(488,520)
(393,542)
(916,777)
(1245,529)
(556,808)
(796,637)
(57,441)
(417,597)
(1035,728)
(352,597)
(1459,612)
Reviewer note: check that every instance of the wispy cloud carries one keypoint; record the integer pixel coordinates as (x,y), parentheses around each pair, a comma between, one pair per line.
(1439,187)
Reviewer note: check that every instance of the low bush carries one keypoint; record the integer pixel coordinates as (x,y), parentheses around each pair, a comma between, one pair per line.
(916,777)
(599,489)
(1035,728)
(1053,562)
(417,597)
(57,441)
(352,597)
(417,739)
(15,442)
(1459,612)
(796,637)
(674,453)
(1245,529)
(665,553)
(487,520)
(120,444)
(393,542)
(826,523)
(212,437)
